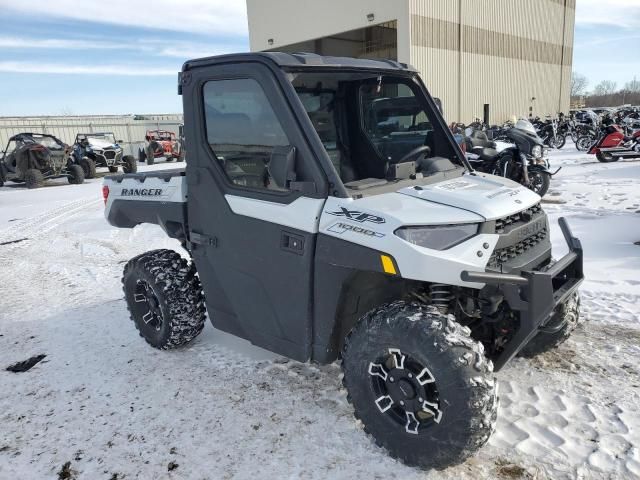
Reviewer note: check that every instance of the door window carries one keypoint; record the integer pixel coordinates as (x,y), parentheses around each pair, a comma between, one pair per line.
(243,131)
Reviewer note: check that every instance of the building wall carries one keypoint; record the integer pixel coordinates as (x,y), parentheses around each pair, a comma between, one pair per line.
(295,21)
(469,52)
(500,52)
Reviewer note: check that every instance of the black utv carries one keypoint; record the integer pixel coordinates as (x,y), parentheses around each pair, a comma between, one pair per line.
(33,158)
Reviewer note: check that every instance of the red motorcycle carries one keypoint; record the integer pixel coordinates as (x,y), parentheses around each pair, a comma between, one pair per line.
(613,144)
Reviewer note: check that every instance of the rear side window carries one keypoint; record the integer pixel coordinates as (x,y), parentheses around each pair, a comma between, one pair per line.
(242,130)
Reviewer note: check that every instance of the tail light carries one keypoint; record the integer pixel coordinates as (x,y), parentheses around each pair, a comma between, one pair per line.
(105,193)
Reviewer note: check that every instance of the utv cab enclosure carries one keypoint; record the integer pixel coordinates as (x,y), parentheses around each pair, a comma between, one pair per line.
(329,214)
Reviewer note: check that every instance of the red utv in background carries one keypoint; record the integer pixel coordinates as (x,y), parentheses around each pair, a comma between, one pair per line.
(160,144)
(613,144)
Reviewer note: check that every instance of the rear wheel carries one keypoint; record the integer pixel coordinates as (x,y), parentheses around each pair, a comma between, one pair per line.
(88,167)
(420,384)
(76,174)
(164,298)
(33,178)
(129,164)
(539,182)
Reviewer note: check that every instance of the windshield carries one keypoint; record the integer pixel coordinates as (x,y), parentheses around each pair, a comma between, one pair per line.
(49,142)
(162,135)
(525,125)
(101,138)
(371,124)
(393,119)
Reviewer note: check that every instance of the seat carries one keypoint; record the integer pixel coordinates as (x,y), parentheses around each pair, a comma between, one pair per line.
(479,143)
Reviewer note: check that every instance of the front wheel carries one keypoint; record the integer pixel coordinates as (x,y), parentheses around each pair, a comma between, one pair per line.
(88,167)
(164,298)
(606,157)
(149,157)
(33,178)
(539,182)
(561,140)
(584,143)
(129,164)
(565,318)
(420,384)
(76,175)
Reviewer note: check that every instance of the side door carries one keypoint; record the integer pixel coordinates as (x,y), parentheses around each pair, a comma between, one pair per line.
(253,234)
(8,156)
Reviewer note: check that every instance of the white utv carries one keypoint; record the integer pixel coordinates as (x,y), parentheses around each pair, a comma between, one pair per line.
(329,214)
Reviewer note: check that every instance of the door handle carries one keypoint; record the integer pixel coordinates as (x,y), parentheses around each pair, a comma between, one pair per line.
(292,243)
(201,239)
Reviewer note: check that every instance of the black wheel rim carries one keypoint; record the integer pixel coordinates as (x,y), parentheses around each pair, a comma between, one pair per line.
(405,391)
(147,305)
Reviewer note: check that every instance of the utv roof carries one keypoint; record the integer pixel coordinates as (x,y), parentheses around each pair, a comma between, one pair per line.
(300,60)
(94,133)
(18,136)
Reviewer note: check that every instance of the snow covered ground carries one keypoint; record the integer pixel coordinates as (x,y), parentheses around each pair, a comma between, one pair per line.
(103,404)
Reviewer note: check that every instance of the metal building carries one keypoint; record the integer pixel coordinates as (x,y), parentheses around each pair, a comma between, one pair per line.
(513,55)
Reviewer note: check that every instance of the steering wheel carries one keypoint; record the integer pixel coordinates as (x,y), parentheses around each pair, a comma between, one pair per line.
(248,180)
(421,150)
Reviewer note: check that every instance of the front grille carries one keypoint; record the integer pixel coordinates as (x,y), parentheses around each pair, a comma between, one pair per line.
(504,255)
(520,217)
(109,154)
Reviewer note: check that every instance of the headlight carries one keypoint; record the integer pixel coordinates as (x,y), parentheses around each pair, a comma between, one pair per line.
(439,237)
(537,151)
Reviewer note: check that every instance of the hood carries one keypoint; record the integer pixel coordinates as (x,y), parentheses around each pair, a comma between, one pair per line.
(489,196)
(102,144)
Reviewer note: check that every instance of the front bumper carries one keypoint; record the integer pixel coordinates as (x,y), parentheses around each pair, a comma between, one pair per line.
(109,158)
(535,294)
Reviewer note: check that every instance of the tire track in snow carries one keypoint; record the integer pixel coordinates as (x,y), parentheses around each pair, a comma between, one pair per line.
(43,223)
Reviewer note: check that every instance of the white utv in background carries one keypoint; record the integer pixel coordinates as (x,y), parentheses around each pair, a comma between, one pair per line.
(329,214)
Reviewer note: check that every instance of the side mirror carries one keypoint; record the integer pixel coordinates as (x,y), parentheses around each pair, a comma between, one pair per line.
(282,166)
(119,141)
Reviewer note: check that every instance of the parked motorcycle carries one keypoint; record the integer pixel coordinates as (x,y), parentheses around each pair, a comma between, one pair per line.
(586,139)
(548,132)
(523,160)
(613,144)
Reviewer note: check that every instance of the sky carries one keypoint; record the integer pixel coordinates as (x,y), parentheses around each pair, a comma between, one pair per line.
(122,56)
